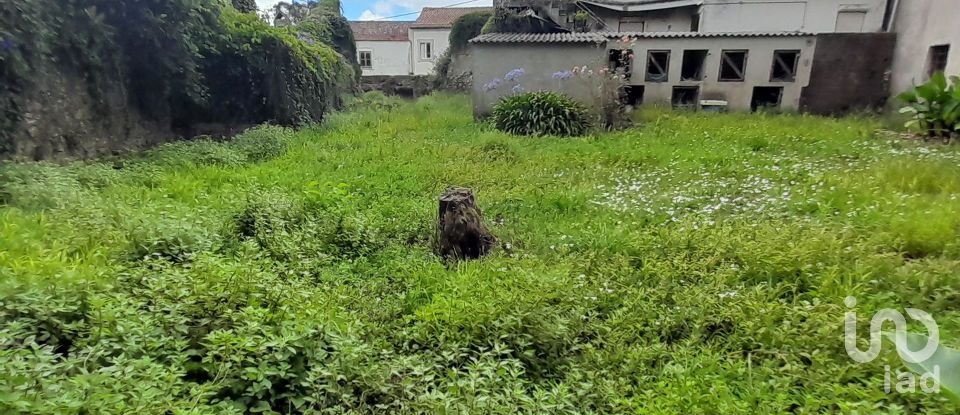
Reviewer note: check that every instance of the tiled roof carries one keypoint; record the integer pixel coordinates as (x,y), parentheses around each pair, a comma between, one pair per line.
(381,31)
(539,38)
(602,37)
(443,17)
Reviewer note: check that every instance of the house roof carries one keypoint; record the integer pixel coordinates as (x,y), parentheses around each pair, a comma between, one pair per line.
(381,31)
(603,37)
(443,17)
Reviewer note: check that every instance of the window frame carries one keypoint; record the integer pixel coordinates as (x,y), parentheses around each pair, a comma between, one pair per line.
(369,58)
(743,70)
(666,68)
(702,73)
(793,72)
(931,54)
(430,49)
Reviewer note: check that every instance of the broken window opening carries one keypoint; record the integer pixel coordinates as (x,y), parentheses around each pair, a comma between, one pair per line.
(658,66)
(621,62)
(938,59)
(692,67)
(685,97)
(632,95)
(784,65)
(766,97)
(733,65)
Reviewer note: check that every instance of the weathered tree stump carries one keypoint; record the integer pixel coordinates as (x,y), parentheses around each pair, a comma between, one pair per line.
(461,233)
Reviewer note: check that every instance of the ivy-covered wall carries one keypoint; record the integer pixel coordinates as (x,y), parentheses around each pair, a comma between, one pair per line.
(88,77)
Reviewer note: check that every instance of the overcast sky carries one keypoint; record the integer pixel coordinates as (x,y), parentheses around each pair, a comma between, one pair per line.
(378,9)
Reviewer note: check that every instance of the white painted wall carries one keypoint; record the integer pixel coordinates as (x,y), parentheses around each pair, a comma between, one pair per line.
(441,42)
(921,24)
(389,57)
(814,16)
(669,20)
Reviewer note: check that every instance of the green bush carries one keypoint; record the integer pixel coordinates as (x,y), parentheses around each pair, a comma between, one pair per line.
(262,143)
(541,113)
(934,106)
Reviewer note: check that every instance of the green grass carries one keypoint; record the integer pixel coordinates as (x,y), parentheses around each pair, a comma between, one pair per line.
(694,264)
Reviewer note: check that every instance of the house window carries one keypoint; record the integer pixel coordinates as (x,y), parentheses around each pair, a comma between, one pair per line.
(784,65)
(766,98)
(685,97)
(658,65)
(733,65)
(692,68)
(938,59)
(850,21)
(366,59)
(426,49)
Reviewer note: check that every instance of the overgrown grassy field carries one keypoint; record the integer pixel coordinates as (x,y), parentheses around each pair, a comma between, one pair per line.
(693,264)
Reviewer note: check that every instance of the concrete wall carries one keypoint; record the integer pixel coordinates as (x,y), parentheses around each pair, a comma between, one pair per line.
(815,16)
(441,42)
(738,94)
(920,24)
(845,79)
(540,61)
(389,58)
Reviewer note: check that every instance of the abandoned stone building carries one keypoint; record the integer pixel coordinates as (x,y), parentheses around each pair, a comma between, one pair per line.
(821,56)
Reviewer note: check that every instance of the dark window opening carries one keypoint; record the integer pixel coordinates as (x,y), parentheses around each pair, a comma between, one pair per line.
(632,95)
(658,65)
(692,68)
(366,59)
(621,62)
(785,65)
(685,97)
(733,65)
(695,23)
(938,59)
(766,97)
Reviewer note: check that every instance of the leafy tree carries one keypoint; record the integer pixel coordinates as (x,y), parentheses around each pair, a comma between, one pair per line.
(245,6)
(292,13)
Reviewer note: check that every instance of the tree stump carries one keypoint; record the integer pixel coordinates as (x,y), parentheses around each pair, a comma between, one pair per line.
(461,233)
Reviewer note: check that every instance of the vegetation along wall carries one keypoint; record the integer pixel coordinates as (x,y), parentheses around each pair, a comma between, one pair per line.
(89,77)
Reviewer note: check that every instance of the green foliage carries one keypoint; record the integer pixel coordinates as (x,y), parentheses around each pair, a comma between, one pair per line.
(245,6)
(934,106)
(178,63)
(664,269)
(541,113)
(466,27)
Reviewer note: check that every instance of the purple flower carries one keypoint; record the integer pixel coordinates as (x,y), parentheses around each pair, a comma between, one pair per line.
(517,89)
(7,44)
(514,75)
(494,84)
(562,75)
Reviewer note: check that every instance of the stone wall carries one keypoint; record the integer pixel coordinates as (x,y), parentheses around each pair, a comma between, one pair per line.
(851,72)
(407,86)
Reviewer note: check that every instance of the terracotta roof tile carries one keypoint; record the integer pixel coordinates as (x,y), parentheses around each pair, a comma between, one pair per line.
(381,31)
(443,17)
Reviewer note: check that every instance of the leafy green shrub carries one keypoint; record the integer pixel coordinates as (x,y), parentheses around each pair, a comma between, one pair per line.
(262,143)
(541,113)
(172,239)
(934,106)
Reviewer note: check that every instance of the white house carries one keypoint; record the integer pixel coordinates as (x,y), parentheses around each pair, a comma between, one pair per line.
(386,48)
(383,48)
(713,16)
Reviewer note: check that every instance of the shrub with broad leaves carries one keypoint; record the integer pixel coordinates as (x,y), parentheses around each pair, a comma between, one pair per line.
(541,113)
(934,106)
